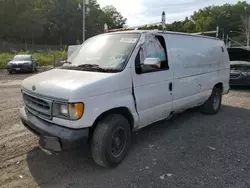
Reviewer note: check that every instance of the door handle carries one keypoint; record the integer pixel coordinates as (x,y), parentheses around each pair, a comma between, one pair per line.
(170,86)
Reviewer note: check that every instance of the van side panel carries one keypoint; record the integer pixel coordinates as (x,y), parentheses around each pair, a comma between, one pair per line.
(196,61)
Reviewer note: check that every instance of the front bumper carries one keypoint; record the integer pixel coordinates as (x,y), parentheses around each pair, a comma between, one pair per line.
(20,69)
(52,136)
(242,81)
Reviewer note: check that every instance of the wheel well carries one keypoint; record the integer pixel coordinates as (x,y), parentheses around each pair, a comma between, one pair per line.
(219,85)
(120,110)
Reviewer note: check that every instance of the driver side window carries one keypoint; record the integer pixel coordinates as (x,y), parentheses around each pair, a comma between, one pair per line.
(156,49)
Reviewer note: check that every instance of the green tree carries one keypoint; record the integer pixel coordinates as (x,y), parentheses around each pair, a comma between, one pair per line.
(228,17)
(113,18)
(95,20)
(189,27)
(53,21)
(20,19)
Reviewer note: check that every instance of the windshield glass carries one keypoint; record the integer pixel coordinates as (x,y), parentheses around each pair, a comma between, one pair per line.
(109,51)
(22,58)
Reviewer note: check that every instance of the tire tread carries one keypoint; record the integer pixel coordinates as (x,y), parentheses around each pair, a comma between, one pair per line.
(207,107)
(100,137)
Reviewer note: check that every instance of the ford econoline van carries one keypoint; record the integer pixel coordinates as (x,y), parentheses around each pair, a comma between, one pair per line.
(117,83)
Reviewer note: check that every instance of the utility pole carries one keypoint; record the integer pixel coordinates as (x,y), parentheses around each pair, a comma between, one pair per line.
(217,31)
(248,31)
(83,21)
(227,41)
(106,28)
(223,34)
(246,23)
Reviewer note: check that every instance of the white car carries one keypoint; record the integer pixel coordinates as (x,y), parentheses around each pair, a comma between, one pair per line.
(120,82)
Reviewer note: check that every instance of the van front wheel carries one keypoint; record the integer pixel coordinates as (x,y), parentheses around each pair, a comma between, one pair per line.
(110,140)
(213,104)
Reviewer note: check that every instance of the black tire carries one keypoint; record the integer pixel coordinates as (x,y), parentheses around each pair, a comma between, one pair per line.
(103,138)
(10,72)
(209,107)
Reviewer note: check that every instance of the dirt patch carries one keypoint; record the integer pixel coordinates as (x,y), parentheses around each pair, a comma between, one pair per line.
(197,150)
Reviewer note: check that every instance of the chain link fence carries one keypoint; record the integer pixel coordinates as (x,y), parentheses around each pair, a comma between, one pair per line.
(6,47)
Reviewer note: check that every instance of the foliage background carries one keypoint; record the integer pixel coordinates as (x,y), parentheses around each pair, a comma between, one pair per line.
(55,22)
(60,21)
(228,17)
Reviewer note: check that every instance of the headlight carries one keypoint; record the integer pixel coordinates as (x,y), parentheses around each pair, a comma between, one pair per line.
(61,110)
(72,111)
(246,73)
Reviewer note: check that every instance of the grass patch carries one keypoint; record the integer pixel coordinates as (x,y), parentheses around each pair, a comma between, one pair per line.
(43,59)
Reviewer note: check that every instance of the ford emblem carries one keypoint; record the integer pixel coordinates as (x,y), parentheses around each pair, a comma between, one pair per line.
(33,88)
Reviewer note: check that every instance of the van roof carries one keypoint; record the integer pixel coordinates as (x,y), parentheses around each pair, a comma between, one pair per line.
(165,32)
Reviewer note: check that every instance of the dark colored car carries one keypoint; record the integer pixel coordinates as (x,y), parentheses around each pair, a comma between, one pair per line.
(240,66)
(240,73)
(22,63)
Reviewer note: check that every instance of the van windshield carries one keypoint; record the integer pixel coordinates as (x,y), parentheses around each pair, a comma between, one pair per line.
(110,51)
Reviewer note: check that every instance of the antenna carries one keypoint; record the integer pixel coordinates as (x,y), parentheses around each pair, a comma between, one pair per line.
(106,28)
(163,21)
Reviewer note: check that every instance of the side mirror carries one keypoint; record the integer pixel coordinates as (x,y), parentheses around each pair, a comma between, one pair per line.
(152,62)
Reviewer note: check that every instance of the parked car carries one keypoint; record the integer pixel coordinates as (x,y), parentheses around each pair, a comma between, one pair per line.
(120,82)
(240,73)
(24,63)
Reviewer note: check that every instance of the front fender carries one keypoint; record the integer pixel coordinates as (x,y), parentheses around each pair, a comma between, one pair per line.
(95,106)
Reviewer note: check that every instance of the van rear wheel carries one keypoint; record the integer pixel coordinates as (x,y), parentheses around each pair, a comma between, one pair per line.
(213,104)
(110,140)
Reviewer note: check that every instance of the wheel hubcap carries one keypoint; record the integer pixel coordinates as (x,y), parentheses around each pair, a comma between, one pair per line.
(118,142)
(216,101)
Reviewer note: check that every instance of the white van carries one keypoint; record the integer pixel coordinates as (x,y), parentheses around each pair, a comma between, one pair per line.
(120,82)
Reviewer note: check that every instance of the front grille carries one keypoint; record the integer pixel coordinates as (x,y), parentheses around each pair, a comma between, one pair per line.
(17,65)
(234,75)
(38,106)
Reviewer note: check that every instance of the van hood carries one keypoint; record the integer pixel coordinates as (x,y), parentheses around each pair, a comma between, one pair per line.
(60,84)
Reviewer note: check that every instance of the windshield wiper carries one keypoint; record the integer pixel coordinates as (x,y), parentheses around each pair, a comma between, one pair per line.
(96,67)
(89,67)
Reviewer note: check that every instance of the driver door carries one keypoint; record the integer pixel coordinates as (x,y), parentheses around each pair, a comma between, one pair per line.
(153,84)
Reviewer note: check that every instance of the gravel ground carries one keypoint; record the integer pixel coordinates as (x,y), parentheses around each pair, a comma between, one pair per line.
(4,75)
(190,150)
